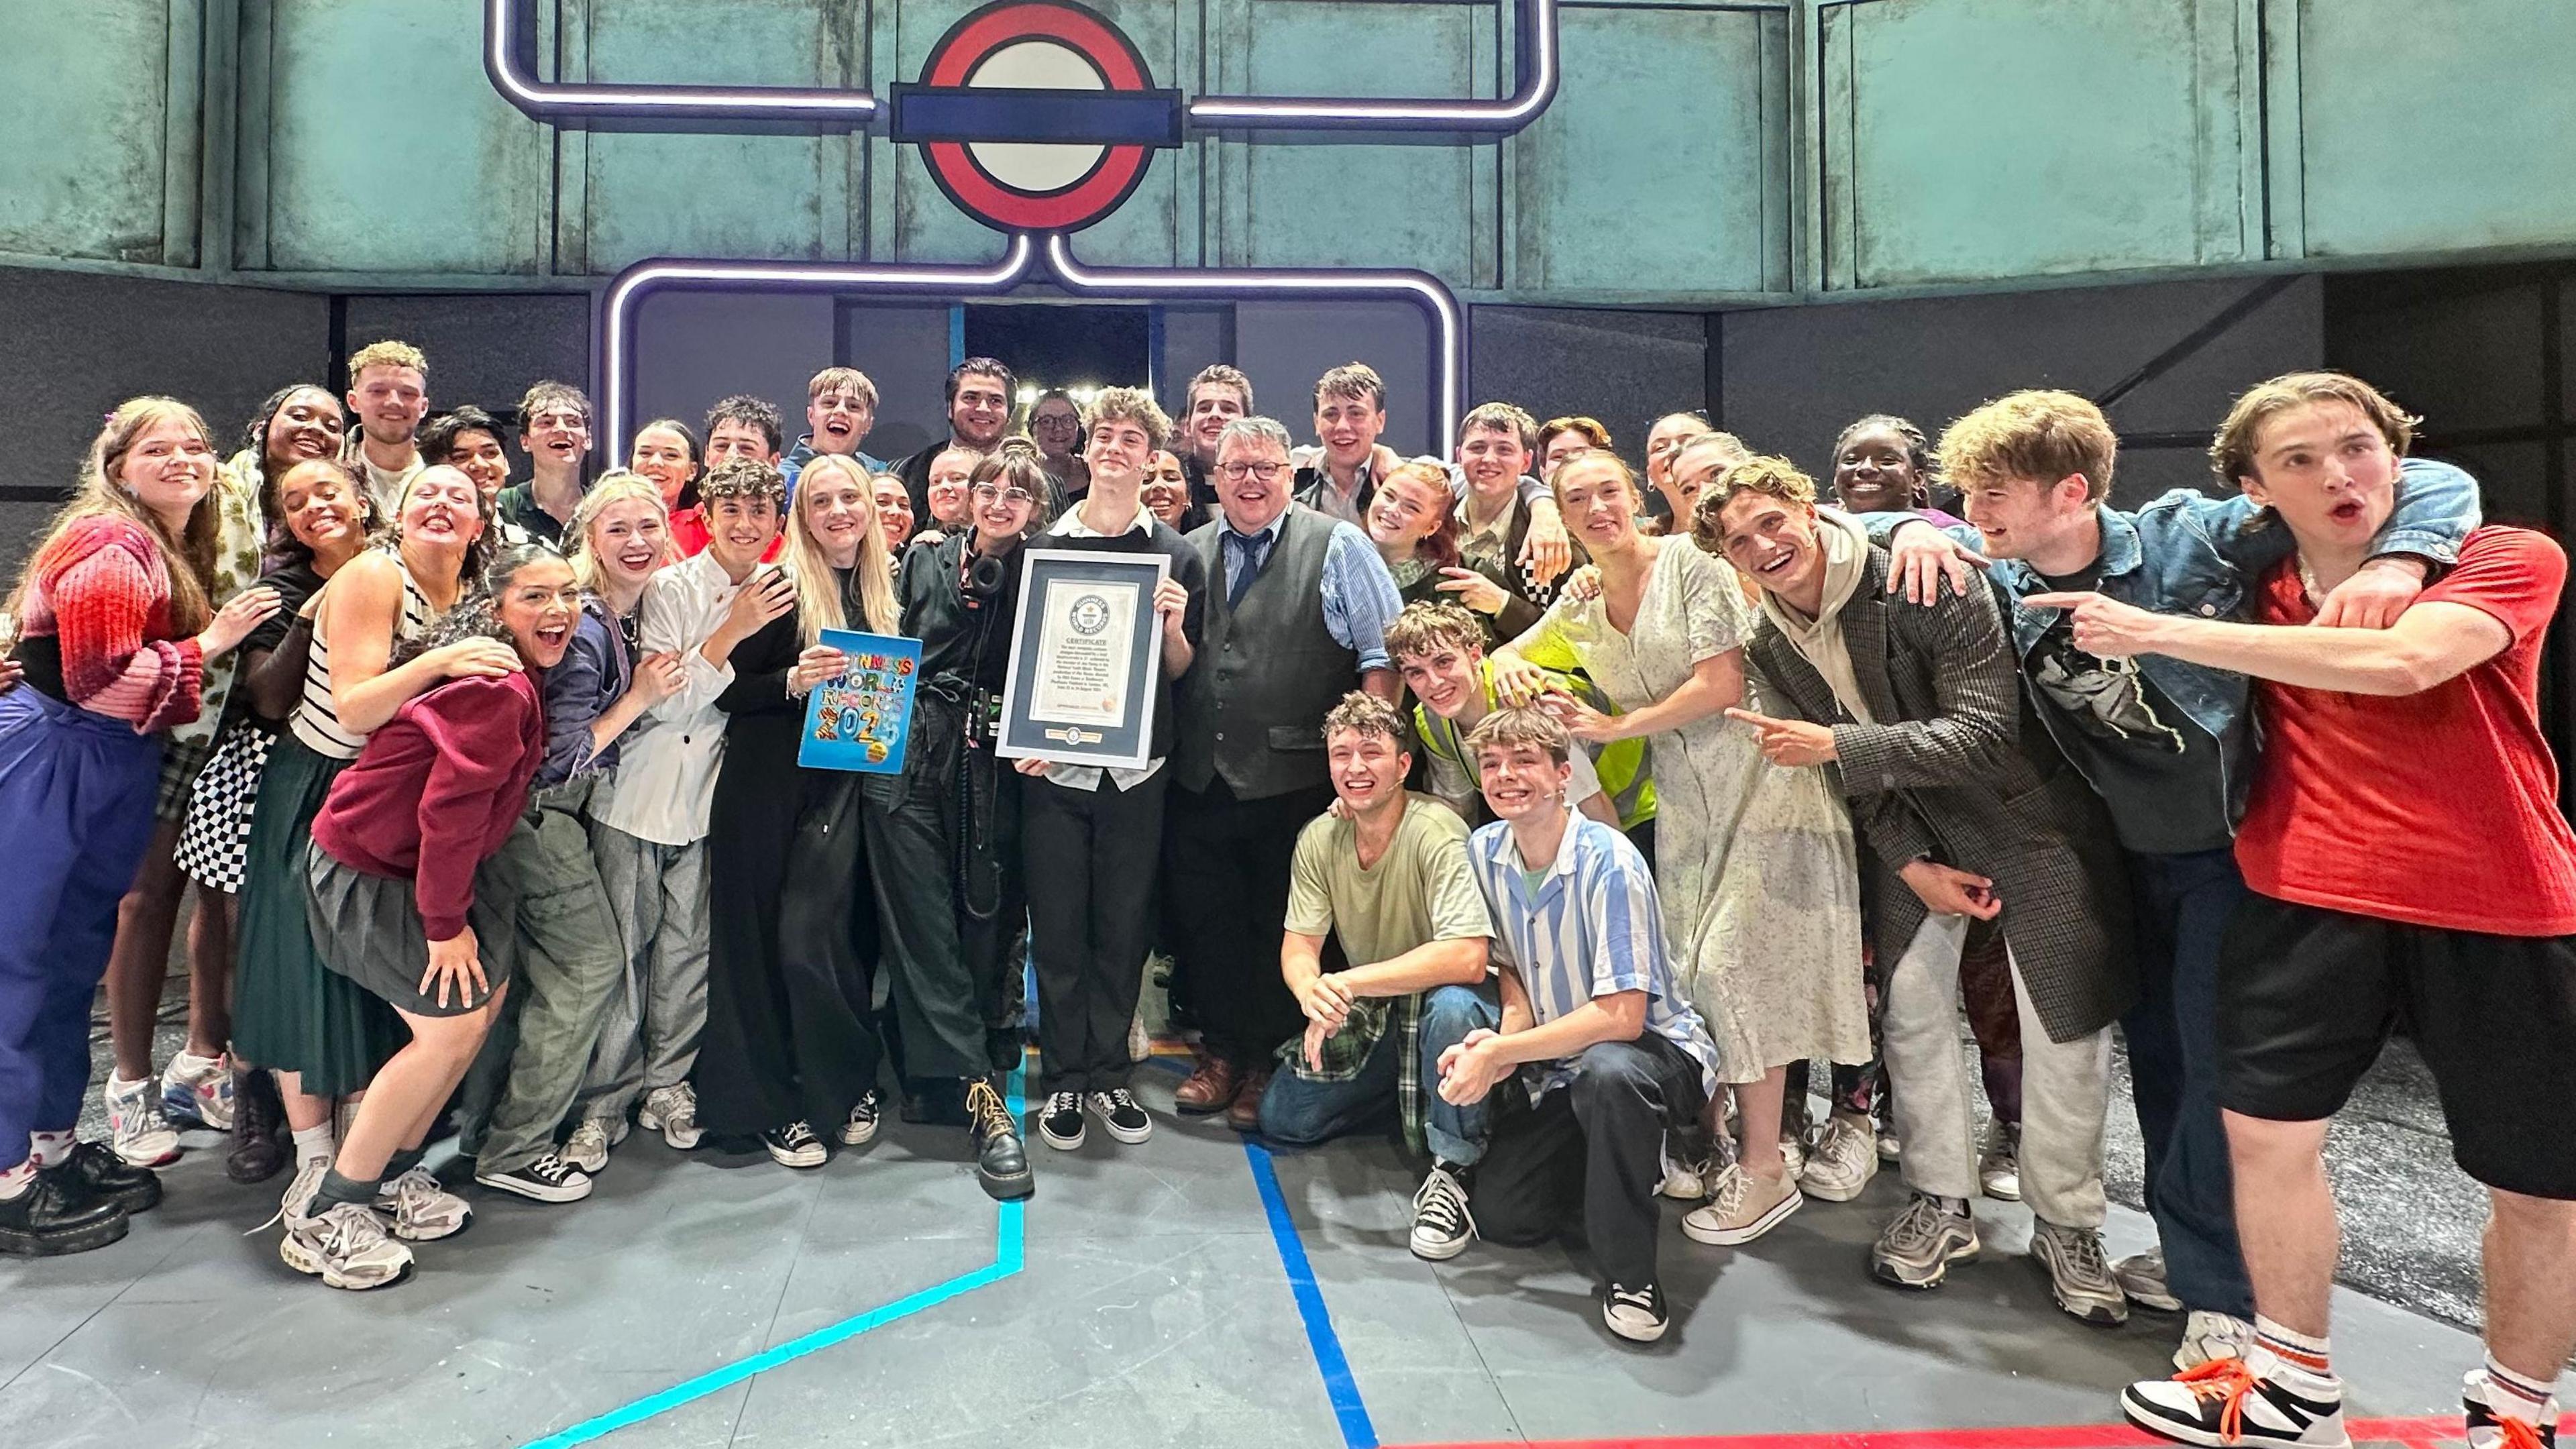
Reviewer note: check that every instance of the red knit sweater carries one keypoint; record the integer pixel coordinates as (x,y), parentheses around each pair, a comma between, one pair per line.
(100,590)
(436,791)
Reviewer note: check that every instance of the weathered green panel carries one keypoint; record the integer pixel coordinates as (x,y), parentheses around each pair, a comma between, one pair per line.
(929,227)
(83,91)
(1664,104)
(753,196)
(2436,129)
(2004,138)
(1352,205)
(388,149)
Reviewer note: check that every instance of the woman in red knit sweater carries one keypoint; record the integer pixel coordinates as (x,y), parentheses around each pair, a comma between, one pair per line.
(390,873)
(117,633)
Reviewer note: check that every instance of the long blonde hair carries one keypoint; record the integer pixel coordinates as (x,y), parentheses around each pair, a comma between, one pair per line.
(189,559)
(617,485)
(818,599)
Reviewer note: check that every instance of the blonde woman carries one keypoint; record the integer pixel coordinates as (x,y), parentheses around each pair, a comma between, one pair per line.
(619,534)
(1754,863)
(118,630)
(788,1044)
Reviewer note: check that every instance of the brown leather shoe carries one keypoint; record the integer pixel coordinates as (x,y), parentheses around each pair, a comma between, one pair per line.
(1245,1114)
(1211,1088)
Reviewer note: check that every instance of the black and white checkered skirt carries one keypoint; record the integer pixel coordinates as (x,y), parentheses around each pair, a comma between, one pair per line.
(215,841)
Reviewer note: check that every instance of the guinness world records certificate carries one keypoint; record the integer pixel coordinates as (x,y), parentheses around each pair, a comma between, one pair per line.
(1084,658)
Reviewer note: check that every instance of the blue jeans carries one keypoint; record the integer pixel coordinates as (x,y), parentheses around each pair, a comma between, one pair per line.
(1299,1112)
(2183,904)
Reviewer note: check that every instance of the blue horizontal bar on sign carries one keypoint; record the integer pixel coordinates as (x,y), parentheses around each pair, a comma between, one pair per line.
(1003,113)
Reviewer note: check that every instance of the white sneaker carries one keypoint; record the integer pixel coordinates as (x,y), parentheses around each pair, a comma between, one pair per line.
(136,1129)
(1890,1150)
(1635,1314)
(2486,1431)
(2207,1336)
(198,1090)
(2078,1274)
(549,1179)
(1793,1156)
(2255,1400)
(1999,1164)
(673,1112)
(587,1147)
(1844,1161)
(422,1211)
(1742,1208)
(346,1247)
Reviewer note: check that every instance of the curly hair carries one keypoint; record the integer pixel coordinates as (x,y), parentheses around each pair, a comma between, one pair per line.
(2038,435)
(1365,713)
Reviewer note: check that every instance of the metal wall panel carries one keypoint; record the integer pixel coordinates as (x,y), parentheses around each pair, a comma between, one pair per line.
(84,97)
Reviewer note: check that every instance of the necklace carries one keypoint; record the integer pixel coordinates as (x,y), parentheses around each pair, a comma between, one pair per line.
(2308,582)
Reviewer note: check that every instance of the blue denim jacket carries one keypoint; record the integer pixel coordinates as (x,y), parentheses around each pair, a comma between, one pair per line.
(2191,553)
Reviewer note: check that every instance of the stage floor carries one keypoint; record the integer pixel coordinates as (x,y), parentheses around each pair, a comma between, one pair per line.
(1189,1291)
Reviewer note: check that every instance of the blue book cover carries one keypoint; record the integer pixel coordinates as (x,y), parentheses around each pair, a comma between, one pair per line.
(861,720)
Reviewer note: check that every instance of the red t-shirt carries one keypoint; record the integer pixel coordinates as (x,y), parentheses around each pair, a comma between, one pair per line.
(689,535)
(2435,809)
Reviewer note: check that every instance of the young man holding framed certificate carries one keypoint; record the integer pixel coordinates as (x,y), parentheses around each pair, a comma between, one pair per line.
(1091,833)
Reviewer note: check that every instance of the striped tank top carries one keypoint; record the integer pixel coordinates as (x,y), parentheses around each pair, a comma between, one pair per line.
(315,722)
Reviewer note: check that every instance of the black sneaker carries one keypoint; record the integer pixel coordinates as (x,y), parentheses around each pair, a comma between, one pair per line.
(2238,1401)
(91,1171)
(1442,1228)
(1061,1121)
(1001,1159)
(1635,1314)
(795,1145)
(1122,1116)
(46,1221)
(548,1179)
(861,1129)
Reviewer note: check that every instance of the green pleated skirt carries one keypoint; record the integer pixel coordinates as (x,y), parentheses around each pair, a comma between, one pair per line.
(291,1013)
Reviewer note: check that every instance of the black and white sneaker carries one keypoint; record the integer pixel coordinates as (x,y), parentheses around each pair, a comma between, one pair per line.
(1635,1314)
(1121,1115)
(861,1129)
(2239,1401)
(1060,1122)
(548,1179)
(2487,1431)
(795,1145)
(1442,1226)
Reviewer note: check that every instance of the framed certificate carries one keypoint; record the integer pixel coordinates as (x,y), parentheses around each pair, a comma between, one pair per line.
(862,719)
(1083,659)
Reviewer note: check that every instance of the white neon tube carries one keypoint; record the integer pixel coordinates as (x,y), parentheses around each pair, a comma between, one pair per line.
(578,100)
(1319,113)
(618,303)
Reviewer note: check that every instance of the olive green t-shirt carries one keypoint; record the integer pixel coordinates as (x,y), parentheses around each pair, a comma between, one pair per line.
(1420,891)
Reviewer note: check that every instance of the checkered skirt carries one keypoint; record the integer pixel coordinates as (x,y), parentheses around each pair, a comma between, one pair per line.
(214,844)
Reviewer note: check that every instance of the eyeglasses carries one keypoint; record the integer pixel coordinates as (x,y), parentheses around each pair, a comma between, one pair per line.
(1266,472)
(987,493)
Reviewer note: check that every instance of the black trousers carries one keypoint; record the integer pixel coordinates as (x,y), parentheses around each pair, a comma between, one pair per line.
(1089,863)
(1225,894)
(1593,1148)
(944,855)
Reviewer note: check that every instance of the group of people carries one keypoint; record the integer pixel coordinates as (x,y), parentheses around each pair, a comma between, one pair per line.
(1551,815)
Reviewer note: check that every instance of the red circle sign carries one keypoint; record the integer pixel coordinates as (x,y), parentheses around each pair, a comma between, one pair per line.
(1033,47)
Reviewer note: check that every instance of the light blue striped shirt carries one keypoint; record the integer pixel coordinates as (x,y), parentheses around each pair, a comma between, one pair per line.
(1360,599)
(1592,928)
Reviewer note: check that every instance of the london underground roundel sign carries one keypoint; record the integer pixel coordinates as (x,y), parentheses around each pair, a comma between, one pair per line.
(1036,115)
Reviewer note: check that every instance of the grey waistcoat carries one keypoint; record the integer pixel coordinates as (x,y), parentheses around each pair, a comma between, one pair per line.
(1253,705)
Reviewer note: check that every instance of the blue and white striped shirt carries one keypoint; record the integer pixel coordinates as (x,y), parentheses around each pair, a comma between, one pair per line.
(1593,928)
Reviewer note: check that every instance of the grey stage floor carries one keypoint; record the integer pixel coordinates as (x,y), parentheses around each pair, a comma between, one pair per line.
(1154,1306)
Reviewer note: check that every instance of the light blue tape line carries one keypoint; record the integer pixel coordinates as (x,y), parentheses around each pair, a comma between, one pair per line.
(1339,1386)
(1009,1256)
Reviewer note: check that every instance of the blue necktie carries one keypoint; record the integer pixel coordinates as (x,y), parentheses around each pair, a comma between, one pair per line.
(1253,551)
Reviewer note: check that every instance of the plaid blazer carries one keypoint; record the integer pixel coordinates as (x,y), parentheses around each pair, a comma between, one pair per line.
(1953,771)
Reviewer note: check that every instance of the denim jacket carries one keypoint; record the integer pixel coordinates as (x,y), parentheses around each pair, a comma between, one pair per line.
(2191,553)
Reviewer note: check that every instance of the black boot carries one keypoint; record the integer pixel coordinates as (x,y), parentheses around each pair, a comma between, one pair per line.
(1001,1158)
(93,1172)
(48,1219)
(259,1127)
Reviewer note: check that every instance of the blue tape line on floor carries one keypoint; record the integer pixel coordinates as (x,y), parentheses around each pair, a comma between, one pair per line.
(1009,1254)
(1339,1386)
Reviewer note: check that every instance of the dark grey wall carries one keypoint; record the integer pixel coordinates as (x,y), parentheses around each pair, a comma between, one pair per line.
(1284,346)
(485,348)
(1623,368)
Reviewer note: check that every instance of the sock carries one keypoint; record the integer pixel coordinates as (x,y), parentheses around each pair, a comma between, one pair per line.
(116,1084)
(336,1189)
(404,1161)
(50,1149)
(2294,1349)
(191,1068)
(1956,1207)
(14,1181)
(2513,1396)
(313,1143)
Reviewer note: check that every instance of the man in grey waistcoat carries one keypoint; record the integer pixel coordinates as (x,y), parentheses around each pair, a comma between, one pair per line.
(1297,611)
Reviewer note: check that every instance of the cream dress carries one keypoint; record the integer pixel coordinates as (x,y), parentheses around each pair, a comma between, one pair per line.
(1754,862)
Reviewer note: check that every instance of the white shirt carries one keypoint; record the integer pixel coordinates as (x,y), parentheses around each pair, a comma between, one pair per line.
(1087,777)
(385,485)
(666,765)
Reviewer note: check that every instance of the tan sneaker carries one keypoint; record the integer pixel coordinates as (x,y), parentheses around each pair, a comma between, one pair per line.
(1743,1207)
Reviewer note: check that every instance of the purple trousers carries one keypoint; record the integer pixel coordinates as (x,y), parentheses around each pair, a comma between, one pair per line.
(75,816)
